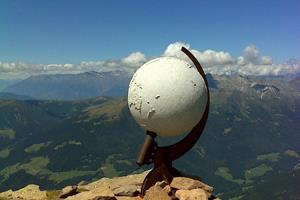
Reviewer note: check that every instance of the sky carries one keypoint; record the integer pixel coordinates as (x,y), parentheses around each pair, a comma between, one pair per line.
(65,35)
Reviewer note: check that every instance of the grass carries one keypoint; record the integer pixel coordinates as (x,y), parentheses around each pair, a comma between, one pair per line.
(33,167)
(125,162)
(256,172)
(36,147)
(291,153)
(110,110)
(8,133)
(249,174)
(200,150)
(227,131)
(5,153)
(237,198)
(6,172)
(273,157)
(62,145)
(224,172)
(37,166)
(59,177)
(246,188)
(108,168)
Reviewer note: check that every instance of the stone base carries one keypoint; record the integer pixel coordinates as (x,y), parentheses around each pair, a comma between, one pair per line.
(121,188)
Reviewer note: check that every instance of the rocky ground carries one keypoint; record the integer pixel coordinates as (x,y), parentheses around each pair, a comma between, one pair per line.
(120,188)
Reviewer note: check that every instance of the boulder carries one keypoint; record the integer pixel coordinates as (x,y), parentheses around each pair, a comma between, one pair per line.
(194,194)
(102,193)
(184,183)
(31,192)
(155,193)
(69,191)
(126,190)
(135,179)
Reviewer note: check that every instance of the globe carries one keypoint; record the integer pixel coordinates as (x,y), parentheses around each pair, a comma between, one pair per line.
(167,96)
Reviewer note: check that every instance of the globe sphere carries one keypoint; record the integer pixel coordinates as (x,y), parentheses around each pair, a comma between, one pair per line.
(167,96)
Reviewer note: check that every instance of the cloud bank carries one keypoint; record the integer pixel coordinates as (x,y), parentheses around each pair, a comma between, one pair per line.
(215,62)
(249,63)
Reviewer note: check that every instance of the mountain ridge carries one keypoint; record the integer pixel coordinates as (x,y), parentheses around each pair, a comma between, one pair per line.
(246,140)
(72,86)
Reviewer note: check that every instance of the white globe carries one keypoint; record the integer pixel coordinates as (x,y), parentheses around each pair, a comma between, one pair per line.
(167,96)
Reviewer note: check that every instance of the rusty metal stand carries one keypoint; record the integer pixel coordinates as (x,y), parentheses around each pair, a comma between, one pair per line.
(162,157)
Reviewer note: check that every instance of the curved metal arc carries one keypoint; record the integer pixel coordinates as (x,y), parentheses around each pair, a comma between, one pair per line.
(178,149)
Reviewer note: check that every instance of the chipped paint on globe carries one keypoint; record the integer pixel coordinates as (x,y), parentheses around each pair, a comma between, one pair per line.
(167,96)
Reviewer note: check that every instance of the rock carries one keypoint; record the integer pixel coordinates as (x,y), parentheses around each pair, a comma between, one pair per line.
(101,193)
(183,183)
(155,193)
(135,179)
(162,184)
(165,186)
(121,188)
(6,194)
(69,191)
(126,198)
(126,190)
(82,183)
(194,194)
(167,189)
(31,192)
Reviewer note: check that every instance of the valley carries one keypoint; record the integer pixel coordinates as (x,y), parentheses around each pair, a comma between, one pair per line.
(252,137)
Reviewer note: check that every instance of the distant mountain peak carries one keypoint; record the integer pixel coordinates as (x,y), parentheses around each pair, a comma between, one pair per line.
(92,74)
(73,86)
(265,89)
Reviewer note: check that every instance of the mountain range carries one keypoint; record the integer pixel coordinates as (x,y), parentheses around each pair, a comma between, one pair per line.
(72,86)
(4,83)
(251,138)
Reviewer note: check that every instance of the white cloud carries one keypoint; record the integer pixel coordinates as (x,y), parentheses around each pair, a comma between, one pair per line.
(135,59)
(241,61)
(215,62)
(174,49)
(211,57)
(250,63)
(251,55)
(257,70)
(207,57)
(266,60)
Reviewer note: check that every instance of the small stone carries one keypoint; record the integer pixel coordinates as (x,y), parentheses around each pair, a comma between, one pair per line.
(102,193)
(69,191)
(162,184)
(126,190)
(156,193)
(81,183)
(184,183)
(194,194)
(126,198)
(139,189)
(167,189)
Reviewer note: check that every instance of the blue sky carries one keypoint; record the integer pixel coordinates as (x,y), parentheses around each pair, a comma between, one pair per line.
(67,31)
